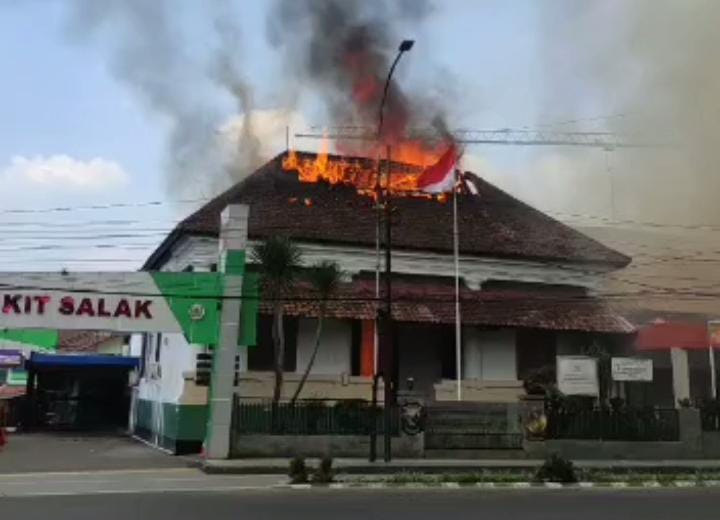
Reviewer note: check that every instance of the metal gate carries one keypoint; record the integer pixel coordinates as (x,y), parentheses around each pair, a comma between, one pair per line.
(470,426)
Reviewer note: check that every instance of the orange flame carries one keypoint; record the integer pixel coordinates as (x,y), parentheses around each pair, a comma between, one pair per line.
(408,161)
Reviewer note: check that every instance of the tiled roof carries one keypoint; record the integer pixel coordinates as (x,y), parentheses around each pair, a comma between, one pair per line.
(491,223)
(83,341)
(435,303)
(10,392)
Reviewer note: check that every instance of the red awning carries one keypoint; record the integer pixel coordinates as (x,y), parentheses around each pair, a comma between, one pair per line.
(667,335)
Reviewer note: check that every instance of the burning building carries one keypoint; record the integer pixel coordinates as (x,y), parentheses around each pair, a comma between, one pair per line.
(527,285)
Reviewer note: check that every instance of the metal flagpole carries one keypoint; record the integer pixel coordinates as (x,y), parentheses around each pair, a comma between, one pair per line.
(458,323)
(711,354)
(378,225)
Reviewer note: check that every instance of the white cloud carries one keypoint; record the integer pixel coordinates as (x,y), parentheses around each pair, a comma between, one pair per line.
(64,172)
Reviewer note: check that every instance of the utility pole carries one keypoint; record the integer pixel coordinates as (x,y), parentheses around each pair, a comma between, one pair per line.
(385,319)
(388,332)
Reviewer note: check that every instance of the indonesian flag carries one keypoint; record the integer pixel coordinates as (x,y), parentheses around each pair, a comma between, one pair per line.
(440,177)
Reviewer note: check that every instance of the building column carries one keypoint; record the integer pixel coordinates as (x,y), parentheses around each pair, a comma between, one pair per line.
(680,374)
(367,348)
(233,241)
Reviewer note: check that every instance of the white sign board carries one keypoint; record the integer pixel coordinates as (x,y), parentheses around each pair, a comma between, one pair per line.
(123,302)
(632,369)
(577,375)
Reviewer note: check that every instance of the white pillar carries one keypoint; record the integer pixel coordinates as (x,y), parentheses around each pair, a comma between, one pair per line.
(233,241)
(681,374)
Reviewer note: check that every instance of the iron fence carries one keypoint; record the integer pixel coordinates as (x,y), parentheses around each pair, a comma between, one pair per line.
(614,425)
(311,418)
(710,416)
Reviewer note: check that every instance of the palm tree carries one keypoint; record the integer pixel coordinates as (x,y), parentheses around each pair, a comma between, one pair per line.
(279,261)
(325,278)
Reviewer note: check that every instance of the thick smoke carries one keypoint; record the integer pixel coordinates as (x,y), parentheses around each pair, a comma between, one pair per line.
(150,51)
(652,65)
(342,50)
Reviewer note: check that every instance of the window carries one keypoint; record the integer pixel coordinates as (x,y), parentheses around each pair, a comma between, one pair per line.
(260,357)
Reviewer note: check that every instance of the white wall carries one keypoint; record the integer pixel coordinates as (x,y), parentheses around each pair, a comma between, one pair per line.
(136,341)
(333,357)
(489,354)
(202,252)
(176,356)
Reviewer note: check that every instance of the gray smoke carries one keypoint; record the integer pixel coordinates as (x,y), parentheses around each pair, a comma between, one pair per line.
(149,50)
(342,50)
(653,65)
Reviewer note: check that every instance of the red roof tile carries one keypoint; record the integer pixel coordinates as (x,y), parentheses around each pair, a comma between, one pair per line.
(492,223)
(435,303)
(11,392)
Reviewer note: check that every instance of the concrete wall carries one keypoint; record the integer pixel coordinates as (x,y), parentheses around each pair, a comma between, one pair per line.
(174,427)
(711,445)
(169,409)
(489,355)
(335,346)
(164,380)
(322,445)
(481,391)
(259,385)
(201,253)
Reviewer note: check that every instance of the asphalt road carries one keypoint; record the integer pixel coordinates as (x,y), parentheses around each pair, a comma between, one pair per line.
(279,504)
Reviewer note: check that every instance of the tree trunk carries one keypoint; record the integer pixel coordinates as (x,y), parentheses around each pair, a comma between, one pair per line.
(279,350)
(311,361)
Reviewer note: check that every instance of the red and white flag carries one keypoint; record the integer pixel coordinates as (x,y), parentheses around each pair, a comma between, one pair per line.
(440,177)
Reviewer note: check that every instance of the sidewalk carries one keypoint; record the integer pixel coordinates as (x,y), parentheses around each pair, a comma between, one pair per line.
(363,467)
(61,452)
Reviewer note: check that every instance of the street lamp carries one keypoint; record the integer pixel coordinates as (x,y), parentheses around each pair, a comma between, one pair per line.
(385,316)
(405,46)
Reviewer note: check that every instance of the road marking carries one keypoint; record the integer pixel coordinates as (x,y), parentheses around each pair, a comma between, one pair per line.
(40,474)
(142,491)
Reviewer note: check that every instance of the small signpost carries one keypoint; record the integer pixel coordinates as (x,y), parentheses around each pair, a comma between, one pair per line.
(577,375)
(632,369)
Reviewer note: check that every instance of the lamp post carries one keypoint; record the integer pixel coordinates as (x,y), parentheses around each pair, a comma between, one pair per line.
(387,342)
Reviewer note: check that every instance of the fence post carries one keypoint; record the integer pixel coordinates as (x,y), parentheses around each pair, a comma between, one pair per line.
(690,429)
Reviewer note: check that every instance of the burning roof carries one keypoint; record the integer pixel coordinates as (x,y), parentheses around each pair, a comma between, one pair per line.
(491,223)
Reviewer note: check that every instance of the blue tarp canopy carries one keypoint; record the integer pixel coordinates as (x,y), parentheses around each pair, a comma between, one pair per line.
(71,361)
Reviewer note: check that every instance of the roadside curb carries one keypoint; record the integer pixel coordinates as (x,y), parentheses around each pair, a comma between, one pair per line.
(649,484)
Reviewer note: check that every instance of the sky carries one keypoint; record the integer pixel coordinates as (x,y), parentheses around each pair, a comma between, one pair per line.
(86,178)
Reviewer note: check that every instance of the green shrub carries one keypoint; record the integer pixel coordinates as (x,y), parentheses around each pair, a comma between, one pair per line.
(556,469)
(324,473)
(298,471)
